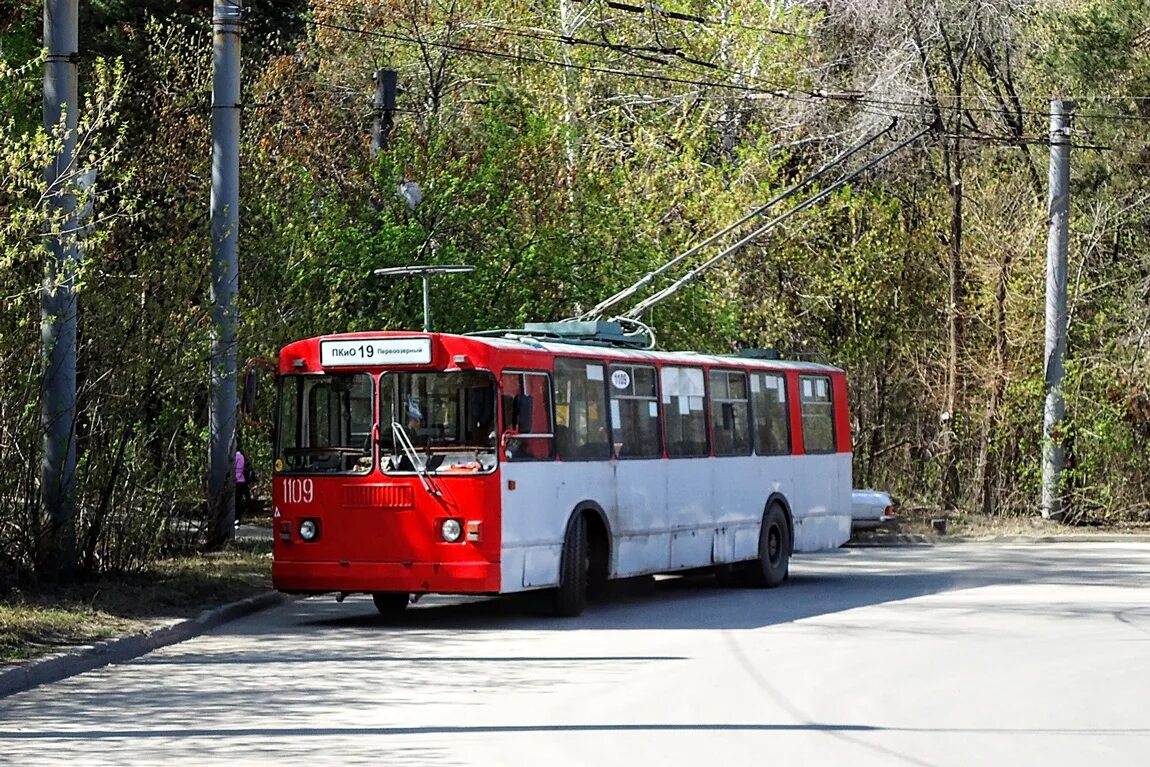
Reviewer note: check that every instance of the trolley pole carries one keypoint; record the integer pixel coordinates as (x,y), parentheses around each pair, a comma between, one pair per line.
(225,198)
(1061,116)
(58,297)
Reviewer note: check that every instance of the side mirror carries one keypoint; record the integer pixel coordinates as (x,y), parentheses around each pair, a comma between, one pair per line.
(252,373)
(248,403)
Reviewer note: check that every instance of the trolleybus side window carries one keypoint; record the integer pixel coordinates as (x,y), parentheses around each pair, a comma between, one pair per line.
(580,410)
(325,424)
(437,421)
(526,403)
(818,414)
(730,422)
(634,411)
(684,416)
(772,422)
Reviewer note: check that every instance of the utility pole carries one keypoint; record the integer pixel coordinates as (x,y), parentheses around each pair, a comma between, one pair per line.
(58,296)
(569,23)
(225,214)
(383,108)
(1057,244)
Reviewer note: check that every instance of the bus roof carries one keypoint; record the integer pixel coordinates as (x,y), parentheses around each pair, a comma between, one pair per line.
(521,343)
(593,350)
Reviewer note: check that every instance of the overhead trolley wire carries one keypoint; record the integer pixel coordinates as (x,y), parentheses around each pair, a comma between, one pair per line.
(644,52)
(649,53)
(767,89)
(860,99)
(779,91)
(550,62)
(679,16)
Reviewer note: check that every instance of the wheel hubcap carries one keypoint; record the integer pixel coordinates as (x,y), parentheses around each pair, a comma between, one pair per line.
(774,544)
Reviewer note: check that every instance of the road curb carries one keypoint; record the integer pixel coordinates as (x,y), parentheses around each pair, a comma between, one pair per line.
(914,539)
(1069,538)
(120,649)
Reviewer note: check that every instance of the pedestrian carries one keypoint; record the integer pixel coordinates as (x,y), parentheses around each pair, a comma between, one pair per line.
(243,492)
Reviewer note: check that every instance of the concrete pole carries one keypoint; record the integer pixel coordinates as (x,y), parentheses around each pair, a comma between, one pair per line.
(225,213)
(1057,245)
(58,297)
(569,23)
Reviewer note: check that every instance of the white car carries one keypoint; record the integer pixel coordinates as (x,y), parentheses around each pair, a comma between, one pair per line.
(870,509)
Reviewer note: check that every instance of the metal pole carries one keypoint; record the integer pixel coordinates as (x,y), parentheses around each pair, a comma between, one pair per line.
(426,271)
(225,264)
(58,297)
(1061,116)
(426,303)
(384,108)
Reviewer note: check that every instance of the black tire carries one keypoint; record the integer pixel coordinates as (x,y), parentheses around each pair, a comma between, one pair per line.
(598,578)
(773,564)
(391,602)
(570,598)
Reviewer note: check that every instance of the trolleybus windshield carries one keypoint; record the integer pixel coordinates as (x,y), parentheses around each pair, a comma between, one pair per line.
(325,424)
(449,419)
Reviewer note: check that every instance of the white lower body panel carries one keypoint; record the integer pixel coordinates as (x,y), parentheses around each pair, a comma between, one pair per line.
(666,515)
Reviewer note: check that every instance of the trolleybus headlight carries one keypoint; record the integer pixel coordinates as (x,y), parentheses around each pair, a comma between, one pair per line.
(308,529)
(451,530)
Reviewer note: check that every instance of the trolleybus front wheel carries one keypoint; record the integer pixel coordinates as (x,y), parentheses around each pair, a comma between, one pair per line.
(391,602)
(773,564)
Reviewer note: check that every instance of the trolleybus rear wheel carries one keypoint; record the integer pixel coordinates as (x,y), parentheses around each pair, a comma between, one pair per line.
(773,564)
(571,595)
(391,602)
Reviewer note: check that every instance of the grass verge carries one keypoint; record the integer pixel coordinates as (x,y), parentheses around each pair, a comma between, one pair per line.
(39,622)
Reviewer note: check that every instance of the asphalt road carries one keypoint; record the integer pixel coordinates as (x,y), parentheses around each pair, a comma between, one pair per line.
(950,655)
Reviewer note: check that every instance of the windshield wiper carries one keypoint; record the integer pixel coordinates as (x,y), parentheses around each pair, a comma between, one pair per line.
(409,450)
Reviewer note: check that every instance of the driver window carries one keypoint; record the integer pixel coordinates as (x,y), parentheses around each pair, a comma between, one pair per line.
(525,407)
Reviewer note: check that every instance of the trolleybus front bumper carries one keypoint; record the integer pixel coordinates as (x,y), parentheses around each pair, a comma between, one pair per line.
(414,577)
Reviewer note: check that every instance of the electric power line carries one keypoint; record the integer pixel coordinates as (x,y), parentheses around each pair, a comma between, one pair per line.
(784,93)
(649,53)
(690,17)
(859,98)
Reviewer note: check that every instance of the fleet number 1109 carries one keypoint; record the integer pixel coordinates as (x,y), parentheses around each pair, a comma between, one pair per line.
(299,490)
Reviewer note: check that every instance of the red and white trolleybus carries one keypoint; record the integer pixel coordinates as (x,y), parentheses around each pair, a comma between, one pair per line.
(412,463)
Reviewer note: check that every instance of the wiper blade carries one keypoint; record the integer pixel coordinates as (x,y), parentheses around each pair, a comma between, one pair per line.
(409,450)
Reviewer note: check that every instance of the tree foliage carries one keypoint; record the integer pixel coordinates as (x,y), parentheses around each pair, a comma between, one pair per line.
(565,149)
